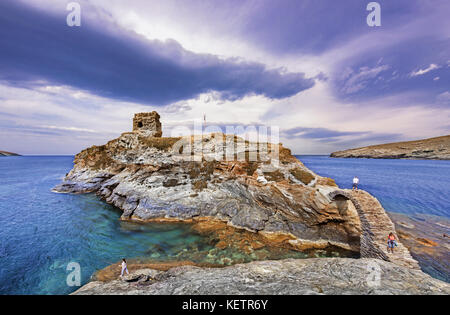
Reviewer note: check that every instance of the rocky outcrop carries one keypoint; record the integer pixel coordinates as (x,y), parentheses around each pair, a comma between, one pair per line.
(4,153)
(430,149)
(259,187)
(290,276)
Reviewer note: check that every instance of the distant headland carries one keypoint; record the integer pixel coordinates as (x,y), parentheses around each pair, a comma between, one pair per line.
(5,153)
(428,149)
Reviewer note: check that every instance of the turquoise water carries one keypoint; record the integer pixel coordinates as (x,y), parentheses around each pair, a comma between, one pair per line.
(41,232)
(404,186)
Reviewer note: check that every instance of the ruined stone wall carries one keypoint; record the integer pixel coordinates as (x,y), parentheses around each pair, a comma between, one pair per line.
(148,124)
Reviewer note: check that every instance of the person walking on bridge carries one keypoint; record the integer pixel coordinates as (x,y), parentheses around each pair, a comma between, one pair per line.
(355,183)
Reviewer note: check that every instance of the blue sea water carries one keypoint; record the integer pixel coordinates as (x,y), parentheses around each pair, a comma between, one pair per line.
(403,186)
(41,232)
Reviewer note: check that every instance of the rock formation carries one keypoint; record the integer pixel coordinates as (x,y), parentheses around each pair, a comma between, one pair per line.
(290,276)
(4,153)
(260,187)
(429,149)
(219,181)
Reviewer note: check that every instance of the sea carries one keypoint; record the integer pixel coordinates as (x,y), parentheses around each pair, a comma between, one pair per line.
(46,236)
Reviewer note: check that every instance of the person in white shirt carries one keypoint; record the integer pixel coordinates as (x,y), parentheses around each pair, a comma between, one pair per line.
(355,183)
(124,267)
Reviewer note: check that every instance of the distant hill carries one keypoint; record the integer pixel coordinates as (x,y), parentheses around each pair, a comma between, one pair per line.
(428,149)
(4,153)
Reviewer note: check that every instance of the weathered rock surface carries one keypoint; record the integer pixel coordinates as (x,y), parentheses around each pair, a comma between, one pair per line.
(5,153)
(218,176)
(290,276)
(430,149)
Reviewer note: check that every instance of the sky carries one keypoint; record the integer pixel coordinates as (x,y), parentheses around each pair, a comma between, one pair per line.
(312,69)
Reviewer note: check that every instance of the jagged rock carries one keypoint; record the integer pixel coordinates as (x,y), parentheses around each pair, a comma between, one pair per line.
(290,276)
(220,176)
(150,177)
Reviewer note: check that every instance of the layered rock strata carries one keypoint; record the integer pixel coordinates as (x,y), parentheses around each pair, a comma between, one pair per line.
(260,187)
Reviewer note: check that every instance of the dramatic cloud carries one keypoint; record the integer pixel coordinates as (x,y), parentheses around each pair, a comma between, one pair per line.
(39,49)
(243,63)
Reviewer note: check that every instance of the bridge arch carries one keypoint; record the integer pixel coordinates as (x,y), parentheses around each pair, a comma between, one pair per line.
(368,246)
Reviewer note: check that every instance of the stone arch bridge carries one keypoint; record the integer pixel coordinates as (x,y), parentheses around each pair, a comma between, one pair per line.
(375,226)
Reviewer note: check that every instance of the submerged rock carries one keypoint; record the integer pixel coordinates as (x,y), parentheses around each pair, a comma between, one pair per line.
(426,238)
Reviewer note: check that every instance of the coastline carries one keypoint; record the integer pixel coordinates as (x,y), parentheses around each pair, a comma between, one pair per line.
(427,149)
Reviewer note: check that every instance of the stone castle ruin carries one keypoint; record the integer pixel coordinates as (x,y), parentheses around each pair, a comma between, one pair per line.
(148,124)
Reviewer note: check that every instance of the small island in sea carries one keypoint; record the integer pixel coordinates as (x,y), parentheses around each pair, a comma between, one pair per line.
(5,153)
(437,148)
(261,189)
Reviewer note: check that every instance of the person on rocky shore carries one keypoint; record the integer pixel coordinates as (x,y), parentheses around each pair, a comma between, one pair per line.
(124,267)
(355,183)
(391,243)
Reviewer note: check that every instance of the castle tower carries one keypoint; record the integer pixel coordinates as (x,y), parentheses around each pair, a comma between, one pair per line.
(147,124)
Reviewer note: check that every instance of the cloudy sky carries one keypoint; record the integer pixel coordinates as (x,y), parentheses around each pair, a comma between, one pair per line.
(313,68)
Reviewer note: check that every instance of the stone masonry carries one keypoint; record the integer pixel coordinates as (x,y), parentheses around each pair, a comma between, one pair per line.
(376,226)
(148,124)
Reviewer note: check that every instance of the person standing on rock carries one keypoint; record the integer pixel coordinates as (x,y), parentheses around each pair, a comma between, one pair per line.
(124,267)
(355,183)
(391,243)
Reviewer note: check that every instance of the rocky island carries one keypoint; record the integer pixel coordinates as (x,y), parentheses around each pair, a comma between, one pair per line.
(5,153)
(428,149)
(222,181)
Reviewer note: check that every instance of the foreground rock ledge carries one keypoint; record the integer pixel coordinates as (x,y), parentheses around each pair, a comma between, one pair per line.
(291,276)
